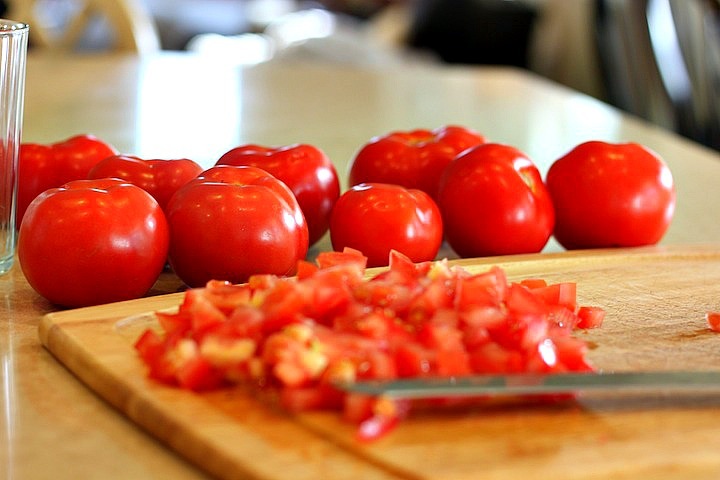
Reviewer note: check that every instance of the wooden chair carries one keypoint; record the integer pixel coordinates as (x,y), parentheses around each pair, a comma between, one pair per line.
(131,27)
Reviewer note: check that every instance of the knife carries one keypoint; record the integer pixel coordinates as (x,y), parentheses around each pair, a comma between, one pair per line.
(540,384)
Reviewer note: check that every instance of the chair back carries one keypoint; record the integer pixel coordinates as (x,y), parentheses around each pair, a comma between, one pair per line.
(78,25)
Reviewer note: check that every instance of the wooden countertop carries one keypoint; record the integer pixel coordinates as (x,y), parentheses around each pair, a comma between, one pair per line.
(175,105)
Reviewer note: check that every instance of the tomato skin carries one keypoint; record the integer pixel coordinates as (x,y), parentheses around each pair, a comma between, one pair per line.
(41,167)
(93,241)
(377,218)
(494,202)
(305,169)
(413,159)
(160,178)
(713,321)
(233,222)
(611,195)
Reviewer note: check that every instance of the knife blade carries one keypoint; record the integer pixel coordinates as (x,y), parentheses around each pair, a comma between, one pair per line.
(540,384)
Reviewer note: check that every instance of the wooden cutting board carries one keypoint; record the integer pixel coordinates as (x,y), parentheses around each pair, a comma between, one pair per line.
(656,300)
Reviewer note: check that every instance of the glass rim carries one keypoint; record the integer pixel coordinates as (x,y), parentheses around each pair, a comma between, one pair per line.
(11,26)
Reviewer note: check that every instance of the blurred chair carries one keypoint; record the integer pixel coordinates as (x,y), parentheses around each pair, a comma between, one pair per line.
(661,61)
(66,25)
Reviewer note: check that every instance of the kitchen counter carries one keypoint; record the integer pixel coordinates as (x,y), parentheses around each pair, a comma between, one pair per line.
(177,105)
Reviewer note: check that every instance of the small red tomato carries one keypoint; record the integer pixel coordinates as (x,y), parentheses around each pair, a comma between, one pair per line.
(93,241)
(376,218)
(160,178)
(413,159)
(611,195)
(233,222)
(41,167)
(494,202)
(305,169)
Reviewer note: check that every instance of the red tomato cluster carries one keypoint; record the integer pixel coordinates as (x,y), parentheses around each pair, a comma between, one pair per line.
(303,336)
(85,240)
(493,200)
(259,209)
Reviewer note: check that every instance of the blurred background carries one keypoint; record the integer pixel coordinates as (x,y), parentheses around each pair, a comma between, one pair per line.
(657,59)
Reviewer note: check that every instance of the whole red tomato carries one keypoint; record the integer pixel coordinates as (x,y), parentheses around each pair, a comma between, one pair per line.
(232,222)
(494,202)
(93,241)
(413,159)
(611,195)
(41,166)
(160,178)
(305,169)
(376,218)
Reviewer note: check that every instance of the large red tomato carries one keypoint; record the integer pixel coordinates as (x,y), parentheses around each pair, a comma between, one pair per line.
(93,241)
(494,202)
(376,218)
(233,222)
(305,169)
(41,166)
(413,159)
(160,178)
(611,195)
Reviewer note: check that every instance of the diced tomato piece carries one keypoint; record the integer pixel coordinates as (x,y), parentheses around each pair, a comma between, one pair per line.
(400,263)
(347,256)
(198,374)
(150,346)
(533,283)
(225,296)
(493,358)
(380,366)
(563,294)
(283,305)
(263,282)
(521,300)
(303,399)
(386,414)
(571,354)
(244,322)
(452,363)
(590,317)
(171,323)
(376,427)
(562,320)
(413,360)
(713,321)
(436,296)
(489,288)
(203,312)
(306,269)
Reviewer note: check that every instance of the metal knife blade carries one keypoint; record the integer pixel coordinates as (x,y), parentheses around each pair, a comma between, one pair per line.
(540,384)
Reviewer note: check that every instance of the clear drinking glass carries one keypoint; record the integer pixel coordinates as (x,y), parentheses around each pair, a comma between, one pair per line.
(13,53)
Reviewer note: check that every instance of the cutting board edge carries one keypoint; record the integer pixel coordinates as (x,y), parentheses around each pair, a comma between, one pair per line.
(143,407)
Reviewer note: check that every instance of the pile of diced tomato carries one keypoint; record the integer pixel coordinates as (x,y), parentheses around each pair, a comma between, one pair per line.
(333,323)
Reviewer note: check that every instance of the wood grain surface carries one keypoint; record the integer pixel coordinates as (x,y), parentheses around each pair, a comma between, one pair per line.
(656,300)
